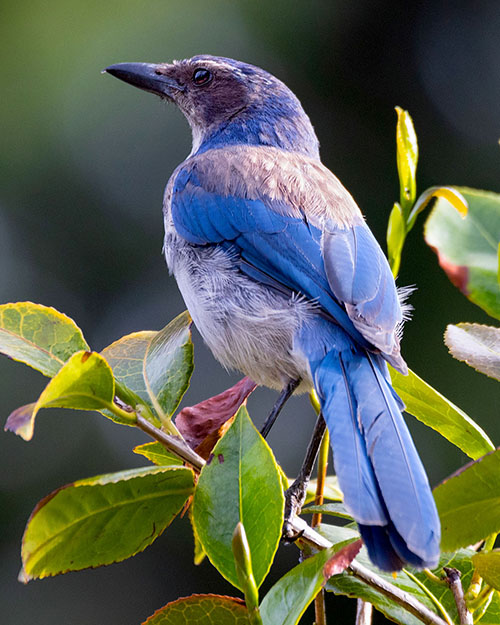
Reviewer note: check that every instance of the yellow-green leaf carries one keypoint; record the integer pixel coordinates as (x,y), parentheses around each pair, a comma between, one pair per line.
(201,610)
(157,454)
(156,366)
(39,336)
(126,358)
(102,519)
(331,490)
(85,382)
(487,564)
(429,406)
(169,363)
(407,157)
(396,232)
(469,503)
(329,509)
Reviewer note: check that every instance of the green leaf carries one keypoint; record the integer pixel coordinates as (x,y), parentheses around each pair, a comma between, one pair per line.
(157,454)
(201,610)
(477,345)
(85,382)
(288,599)
(492,615)
(407,158)
(156,366)
(126,357)
(468,248)
(331,490)
(240,484)
(169,364)
(337,535)
(469,503)
(487,565)
(103,519)
(39,336)
(440,414)
(330,509)
(396,233)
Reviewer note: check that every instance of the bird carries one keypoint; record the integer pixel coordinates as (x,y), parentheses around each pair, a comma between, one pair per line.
(287,284)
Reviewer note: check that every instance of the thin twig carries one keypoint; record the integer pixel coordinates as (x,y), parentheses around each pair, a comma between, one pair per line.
(433,578)
(453,579)
(480,612)
(364,611)
(405,600)
(319,599)
(172,443)
(480,599)
(319,608)
(321,481)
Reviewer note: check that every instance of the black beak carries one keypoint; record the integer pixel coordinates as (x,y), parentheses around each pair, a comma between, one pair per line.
(146,76)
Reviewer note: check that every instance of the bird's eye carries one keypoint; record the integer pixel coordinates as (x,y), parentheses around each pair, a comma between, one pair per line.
(202,76)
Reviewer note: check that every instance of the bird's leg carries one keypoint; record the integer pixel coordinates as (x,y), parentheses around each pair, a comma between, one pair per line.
(295,495)
(280,402)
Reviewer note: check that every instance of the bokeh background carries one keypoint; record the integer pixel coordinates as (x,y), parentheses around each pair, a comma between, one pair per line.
(83,164)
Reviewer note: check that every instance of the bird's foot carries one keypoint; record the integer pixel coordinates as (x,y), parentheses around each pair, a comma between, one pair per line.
(295,496)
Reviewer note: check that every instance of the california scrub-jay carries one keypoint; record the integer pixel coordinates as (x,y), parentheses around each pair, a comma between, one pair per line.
(286,283)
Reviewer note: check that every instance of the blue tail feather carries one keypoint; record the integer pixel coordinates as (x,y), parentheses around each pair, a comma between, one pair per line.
(380,473)
(379,546)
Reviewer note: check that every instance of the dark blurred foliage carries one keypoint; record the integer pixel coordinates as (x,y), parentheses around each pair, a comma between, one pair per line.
(83,163)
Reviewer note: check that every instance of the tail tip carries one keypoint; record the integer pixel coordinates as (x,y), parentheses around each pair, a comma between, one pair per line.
(389,552)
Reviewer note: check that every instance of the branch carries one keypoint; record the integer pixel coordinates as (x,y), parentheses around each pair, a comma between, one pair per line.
(364,612)
(453,579)
(405,600)
(172,443)
(319,599)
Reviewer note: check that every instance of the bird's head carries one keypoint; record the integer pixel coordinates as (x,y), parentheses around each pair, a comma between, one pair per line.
(227,101)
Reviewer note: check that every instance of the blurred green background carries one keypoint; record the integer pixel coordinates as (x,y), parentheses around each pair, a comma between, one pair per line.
(83,164)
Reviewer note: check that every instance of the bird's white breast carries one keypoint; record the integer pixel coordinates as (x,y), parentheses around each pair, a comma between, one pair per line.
(246,326)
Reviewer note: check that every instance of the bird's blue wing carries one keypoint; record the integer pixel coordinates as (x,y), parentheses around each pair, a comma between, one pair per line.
(273,247)
(360,276)
(342,268)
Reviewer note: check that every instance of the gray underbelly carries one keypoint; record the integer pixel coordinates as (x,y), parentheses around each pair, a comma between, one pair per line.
(246,325)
